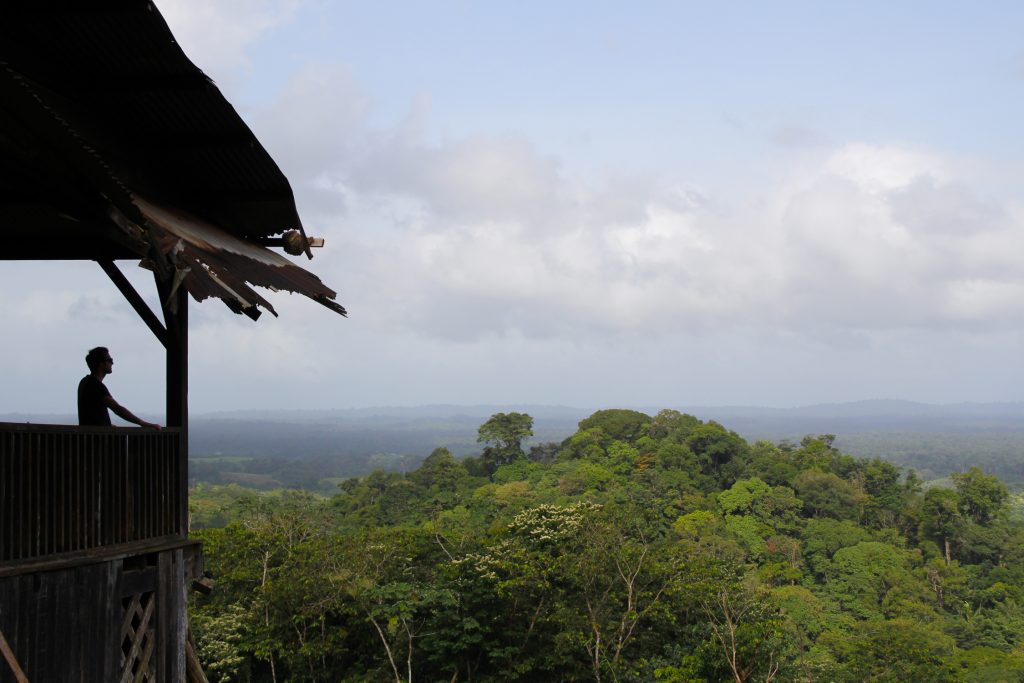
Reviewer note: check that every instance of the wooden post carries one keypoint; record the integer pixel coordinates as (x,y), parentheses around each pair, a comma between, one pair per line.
(171,583)
(177,359)
(177,399)
(175,310)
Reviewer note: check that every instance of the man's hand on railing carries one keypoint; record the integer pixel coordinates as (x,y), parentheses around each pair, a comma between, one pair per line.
(128,415)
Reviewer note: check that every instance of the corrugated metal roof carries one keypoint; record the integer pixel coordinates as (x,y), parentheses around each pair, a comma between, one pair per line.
(221,264)
(99,106)
(115,73)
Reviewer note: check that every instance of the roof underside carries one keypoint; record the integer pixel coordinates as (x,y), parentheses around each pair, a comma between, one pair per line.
(99,108)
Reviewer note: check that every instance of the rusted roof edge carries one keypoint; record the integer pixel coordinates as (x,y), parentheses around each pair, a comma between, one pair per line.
(223,265)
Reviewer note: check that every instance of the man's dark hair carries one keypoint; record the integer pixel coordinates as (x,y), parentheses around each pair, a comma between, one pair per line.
(95,357)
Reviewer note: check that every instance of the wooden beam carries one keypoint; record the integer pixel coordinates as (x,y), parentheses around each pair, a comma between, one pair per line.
(133,297)
(12,661)
(194,669)
(98,555)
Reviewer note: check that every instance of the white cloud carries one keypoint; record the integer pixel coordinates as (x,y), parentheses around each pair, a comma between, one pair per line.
(216,35)
(884,168)
(316,122)
(983,300)
(867,237)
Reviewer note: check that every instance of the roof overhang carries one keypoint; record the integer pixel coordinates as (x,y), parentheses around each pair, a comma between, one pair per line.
(114,145)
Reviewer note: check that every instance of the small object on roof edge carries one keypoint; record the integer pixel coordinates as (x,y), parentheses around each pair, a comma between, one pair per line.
(294,242)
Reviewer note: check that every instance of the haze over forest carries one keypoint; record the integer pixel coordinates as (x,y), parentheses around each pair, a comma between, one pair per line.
(762,204)
(934,439)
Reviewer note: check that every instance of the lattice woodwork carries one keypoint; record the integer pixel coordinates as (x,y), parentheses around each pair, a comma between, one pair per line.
(138,639)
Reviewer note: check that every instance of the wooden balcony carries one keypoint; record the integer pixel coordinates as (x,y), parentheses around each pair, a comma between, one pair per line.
(69,493)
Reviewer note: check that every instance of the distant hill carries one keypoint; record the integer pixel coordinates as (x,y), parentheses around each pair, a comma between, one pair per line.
(867,417)
(935,439)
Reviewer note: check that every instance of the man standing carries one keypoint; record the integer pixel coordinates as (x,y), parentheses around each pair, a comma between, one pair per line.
(93,397)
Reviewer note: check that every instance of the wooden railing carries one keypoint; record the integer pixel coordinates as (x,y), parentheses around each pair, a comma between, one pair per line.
(66,490)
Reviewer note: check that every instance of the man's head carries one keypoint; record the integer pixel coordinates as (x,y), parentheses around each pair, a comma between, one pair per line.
(99,359)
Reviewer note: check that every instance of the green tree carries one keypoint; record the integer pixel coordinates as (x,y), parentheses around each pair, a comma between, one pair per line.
(671,424)
(885,493)
(381,575)
(783,561)
(893,651)
(638,549)
(806,616)
(746,630)
(529,570)
(982,496)
(544,452)
(268,563)
(822,537)
(717,451)
(618,423)
(742,496)
(859,577)
(775,507)
(990,665)
(219,642)
(504,433)
(941,518)
(825,494)
(772,464)
(623,579)
(441,481)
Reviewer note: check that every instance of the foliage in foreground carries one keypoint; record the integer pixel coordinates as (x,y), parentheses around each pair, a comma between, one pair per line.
(640,549)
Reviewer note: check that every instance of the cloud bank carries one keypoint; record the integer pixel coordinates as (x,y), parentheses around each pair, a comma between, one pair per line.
(462,237)
(487,234)
(487,264)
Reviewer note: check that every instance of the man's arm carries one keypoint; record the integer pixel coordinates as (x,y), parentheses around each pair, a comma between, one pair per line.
(126,414)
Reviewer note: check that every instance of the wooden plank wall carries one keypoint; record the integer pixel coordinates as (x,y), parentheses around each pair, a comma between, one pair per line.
(67,625)
(67,489)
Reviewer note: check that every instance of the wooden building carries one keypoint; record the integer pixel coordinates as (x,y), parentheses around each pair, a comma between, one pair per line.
(114,146)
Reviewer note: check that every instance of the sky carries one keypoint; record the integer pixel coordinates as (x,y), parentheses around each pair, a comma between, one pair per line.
(596,204)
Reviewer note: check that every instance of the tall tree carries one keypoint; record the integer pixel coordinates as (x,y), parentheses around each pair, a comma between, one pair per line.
(941,518)
(505,432)
(981,495)
(618,423)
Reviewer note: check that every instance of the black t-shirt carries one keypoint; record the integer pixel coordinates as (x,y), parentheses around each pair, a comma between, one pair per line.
(92,404)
